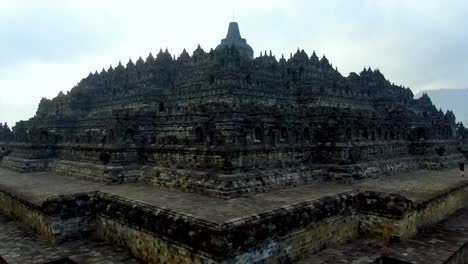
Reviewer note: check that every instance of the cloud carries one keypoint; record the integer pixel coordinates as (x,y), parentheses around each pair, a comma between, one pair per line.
(47,46)
(53,32)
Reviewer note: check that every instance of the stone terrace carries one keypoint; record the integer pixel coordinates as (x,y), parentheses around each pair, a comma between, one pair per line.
(444,243)
(220,230)
(417,186)
(38,187)
(18,245)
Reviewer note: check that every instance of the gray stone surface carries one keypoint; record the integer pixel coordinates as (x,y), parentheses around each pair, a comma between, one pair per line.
(247,223)
(38,187)
(225,124)
(444,243)
(418,185)
(19,245)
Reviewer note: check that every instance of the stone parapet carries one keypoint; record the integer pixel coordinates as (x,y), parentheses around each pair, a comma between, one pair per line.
(57,219)
(25,165)
(393,217)
(111,174)
(287,232)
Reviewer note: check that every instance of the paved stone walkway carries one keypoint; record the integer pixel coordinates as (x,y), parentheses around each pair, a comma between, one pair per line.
(417,185)
(37,187)
(19,245)
(434,246)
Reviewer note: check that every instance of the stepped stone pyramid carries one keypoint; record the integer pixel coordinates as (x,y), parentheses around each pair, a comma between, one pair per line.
(223,157)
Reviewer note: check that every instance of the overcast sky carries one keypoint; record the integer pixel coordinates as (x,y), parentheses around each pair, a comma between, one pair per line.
(48,46)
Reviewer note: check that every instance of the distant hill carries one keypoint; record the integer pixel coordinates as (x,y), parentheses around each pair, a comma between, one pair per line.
(452,99)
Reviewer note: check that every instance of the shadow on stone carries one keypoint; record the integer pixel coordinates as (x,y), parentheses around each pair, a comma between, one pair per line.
(61,261)
(388,260)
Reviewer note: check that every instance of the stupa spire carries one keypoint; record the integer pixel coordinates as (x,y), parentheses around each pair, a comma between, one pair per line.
(233,31)
(233,38)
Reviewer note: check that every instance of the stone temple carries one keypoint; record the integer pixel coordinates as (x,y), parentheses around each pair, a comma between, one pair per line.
(223,157)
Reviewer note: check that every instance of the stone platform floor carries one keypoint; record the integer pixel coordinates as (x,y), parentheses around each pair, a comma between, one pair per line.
(417,186)
(433,246)
(19,245)
(22,247)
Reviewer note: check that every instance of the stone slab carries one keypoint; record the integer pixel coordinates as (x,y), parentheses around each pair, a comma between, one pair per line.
(19,245)
(444,243)
(38,187)
(235,228)
(417,186)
